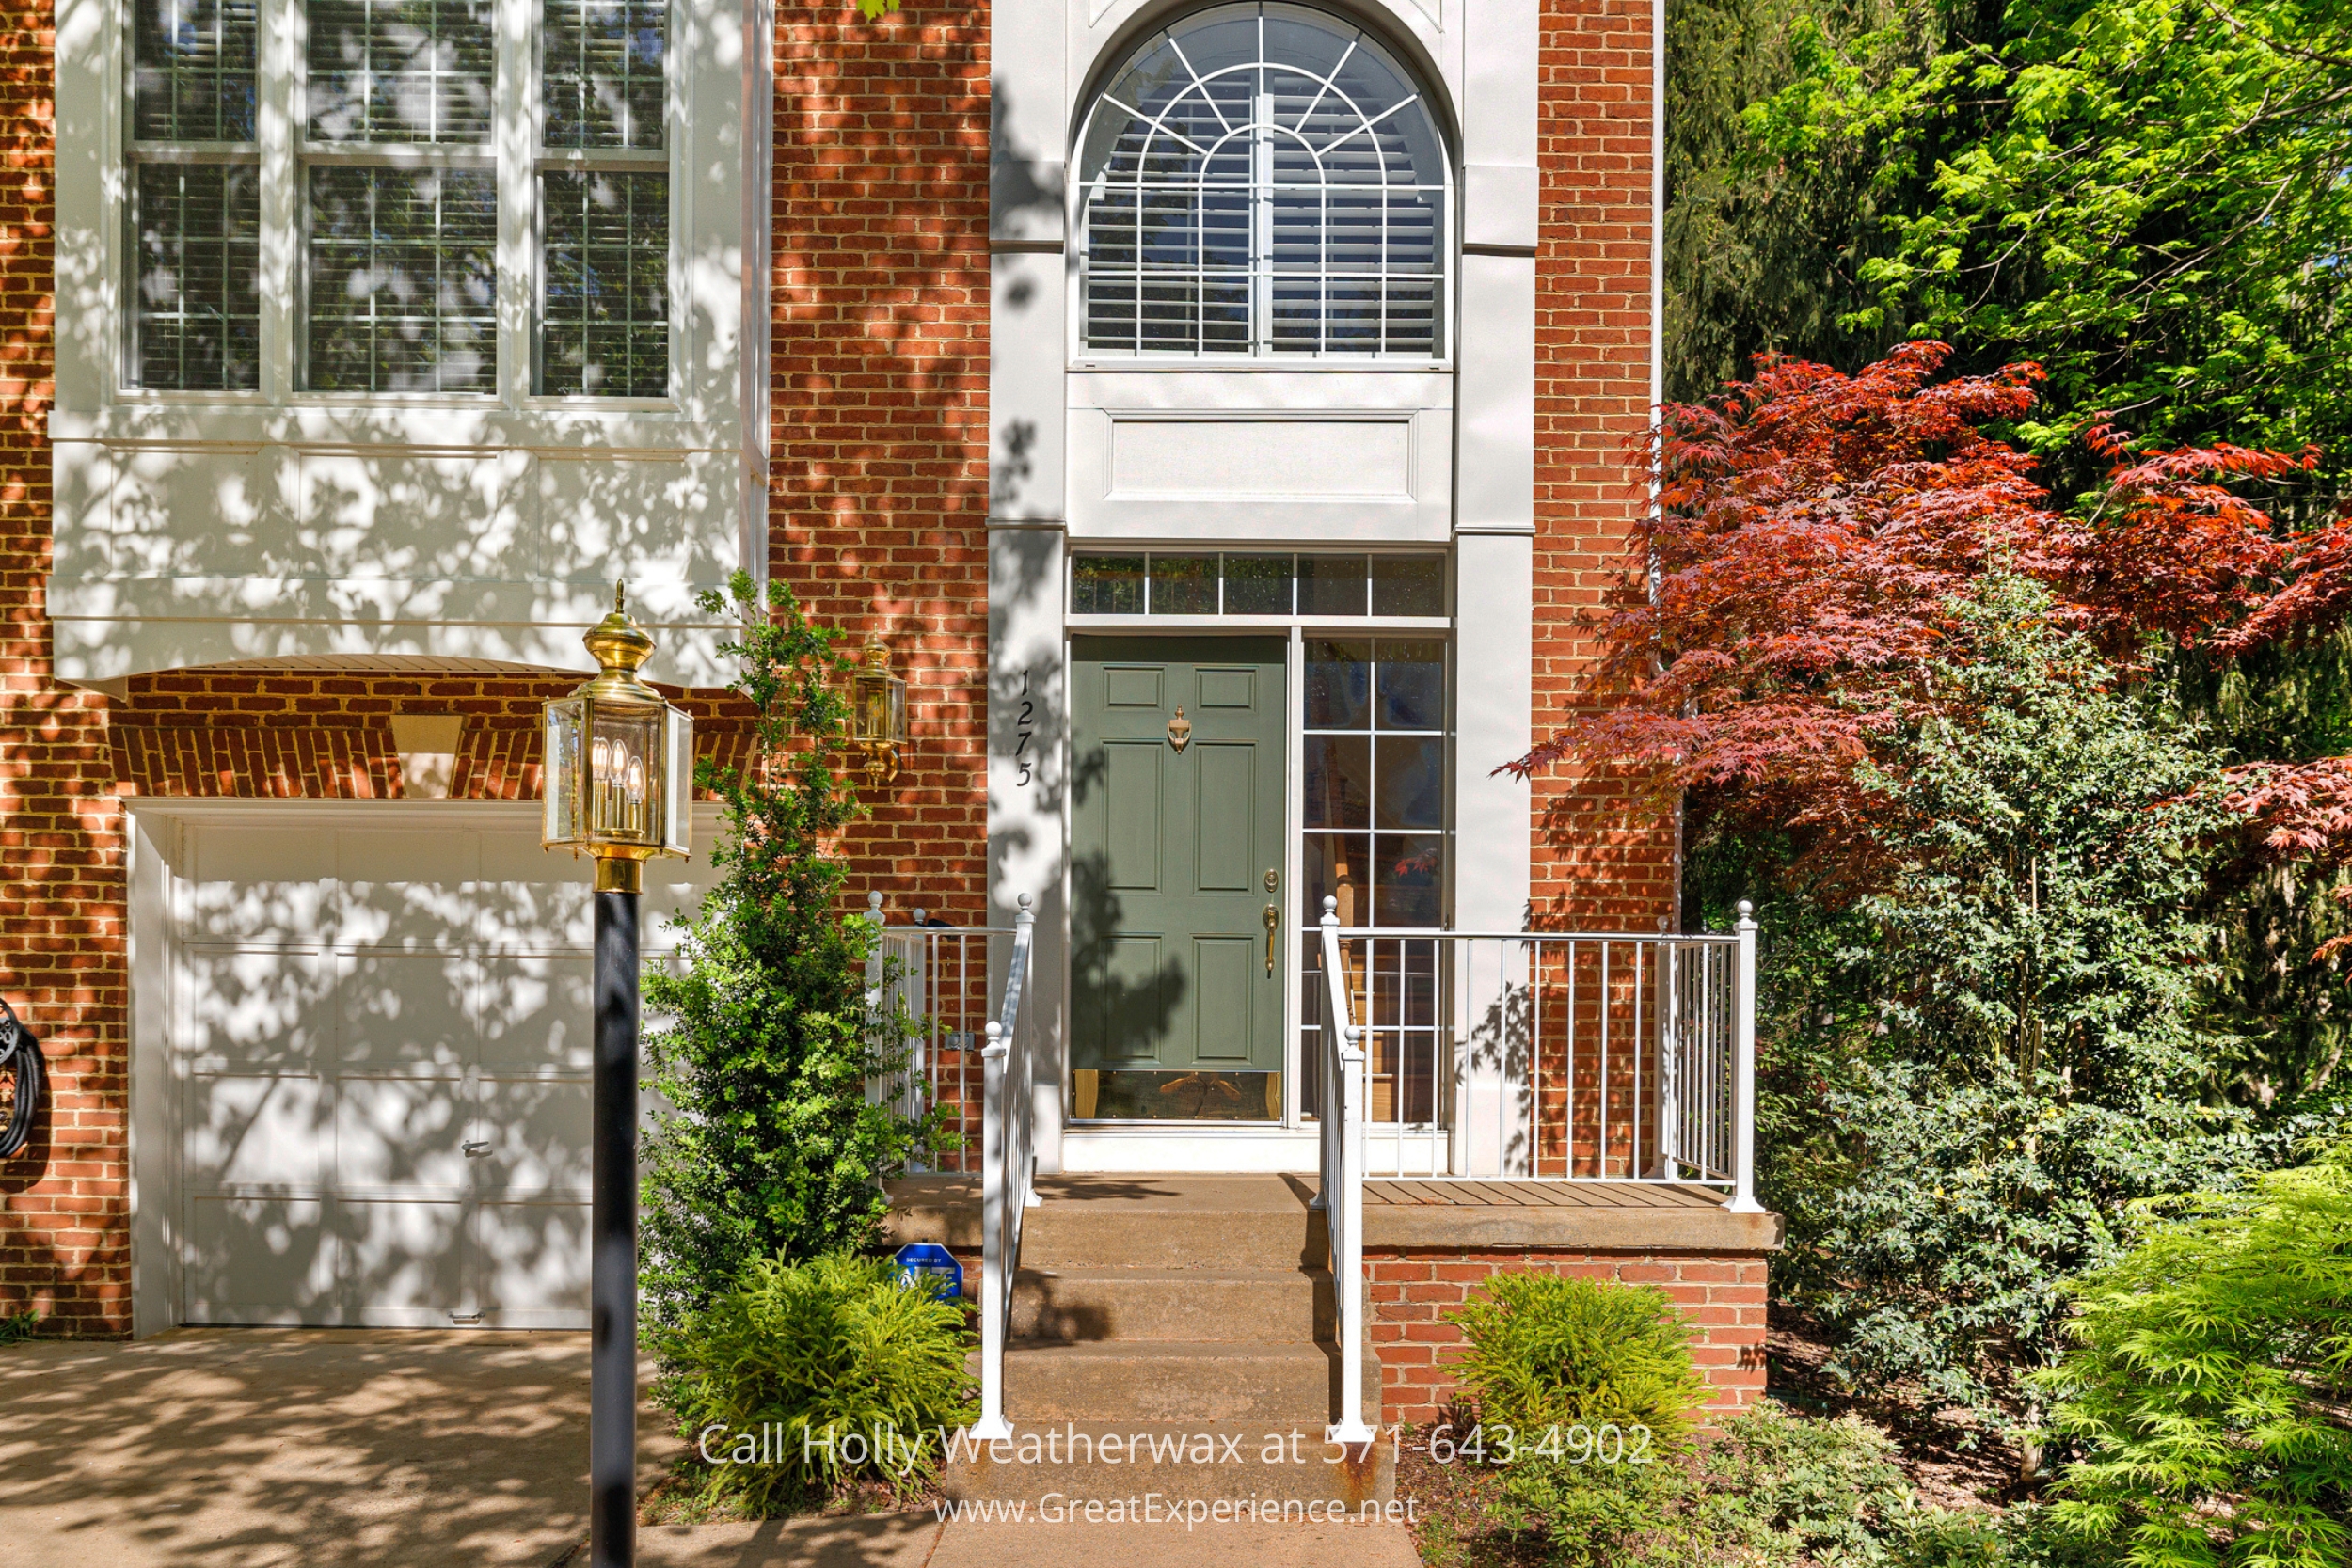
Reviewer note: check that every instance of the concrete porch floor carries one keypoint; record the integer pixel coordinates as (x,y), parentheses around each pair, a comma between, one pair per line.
(403,1449)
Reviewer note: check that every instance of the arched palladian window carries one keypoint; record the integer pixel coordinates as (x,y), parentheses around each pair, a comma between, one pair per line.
(1263,181)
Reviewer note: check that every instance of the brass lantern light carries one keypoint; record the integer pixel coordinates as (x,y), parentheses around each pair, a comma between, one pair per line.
(877,712)
(619,761)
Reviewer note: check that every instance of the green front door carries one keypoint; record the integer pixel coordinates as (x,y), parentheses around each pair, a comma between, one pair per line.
(1176,854)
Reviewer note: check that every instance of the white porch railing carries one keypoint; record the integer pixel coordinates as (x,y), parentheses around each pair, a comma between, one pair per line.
(1681,1019)
(945,982)
(1538,1056)
(939,979)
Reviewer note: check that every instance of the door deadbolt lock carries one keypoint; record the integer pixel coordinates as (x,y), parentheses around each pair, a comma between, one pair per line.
(1273,928)
(1273,879)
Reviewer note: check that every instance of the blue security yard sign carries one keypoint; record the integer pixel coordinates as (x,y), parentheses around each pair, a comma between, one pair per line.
(921,1261)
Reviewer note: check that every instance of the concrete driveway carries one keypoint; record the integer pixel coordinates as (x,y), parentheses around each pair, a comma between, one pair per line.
(303,1446)
(384,1448)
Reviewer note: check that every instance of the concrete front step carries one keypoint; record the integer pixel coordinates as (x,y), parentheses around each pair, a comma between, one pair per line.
(1293,1383)
(1087,1235)
(1069,1304)
(1073,1463)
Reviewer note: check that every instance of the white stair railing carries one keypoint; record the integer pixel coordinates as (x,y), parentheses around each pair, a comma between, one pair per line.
(1342,1193)
(1008,1167)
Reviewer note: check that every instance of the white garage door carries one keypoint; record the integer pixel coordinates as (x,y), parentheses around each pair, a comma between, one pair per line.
(380,1039)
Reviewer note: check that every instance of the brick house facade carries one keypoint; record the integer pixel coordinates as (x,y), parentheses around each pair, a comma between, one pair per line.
(896,483)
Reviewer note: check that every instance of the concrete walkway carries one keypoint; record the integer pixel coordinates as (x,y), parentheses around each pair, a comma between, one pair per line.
(404,1449)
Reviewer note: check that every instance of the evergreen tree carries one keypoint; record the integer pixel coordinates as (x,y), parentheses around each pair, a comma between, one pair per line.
(770,1146)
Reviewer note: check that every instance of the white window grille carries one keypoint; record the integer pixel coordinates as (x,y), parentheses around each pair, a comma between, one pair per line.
(1263,181)
(396,170)
(400,197)
(194,197)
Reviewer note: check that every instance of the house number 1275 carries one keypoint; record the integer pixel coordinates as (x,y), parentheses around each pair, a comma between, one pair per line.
(1025,731)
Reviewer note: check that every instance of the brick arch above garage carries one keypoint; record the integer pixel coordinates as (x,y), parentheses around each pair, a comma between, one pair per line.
(302,731)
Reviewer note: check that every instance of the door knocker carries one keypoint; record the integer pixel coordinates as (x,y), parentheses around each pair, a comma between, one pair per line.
(1179,730)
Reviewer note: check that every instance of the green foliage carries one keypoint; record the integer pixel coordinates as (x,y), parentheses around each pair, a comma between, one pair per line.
(1766,250)
(1552,1349)
(1770,1488)
(2150,197)
(2000,1046)
(770,1146)
(1783,1486)
(2210,1380)
(19,1327)
(833,1346)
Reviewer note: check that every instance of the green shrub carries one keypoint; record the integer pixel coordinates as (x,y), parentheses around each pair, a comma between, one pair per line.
(765,1140)
(1770,1488)
(1782,1486)
(797,1351)
(1552,1349)
(1549,1350)
(2210,1378)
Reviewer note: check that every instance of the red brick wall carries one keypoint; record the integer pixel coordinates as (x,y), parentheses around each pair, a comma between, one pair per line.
(878,494)
(1604,854)
(327,734)
(63,1247)
(1408,1292)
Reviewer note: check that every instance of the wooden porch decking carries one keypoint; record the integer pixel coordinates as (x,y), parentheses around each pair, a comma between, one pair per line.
(1542,1194)
(1612,1216)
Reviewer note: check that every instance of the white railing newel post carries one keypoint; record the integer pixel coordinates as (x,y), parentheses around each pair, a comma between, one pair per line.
(993,1423)
(1743,1071)
(1349,1266)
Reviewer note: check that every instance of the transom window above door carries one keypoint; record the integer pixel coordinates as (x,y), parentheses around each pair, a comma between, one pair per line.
(1308,586)
(390,162)
(1263,181)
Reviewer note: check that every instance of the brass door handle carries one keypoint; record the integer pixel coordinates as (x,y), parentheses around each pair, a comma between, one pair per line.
(1273,925)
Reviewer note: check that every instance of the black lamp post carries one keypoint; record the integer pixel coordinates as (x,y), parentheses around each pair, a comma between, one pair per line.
(619,766)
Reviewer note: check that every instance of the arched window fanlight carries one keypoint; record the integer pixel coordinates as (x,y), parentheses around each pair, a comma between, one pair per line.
(1263,180)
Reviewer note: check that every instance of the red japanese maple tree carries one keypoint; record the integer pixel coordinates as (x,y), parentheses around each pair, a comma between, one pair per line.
(1791,596)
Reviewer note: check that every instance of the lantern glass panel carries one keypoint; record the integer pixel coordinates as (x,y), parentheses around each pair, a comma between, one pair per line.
(678,775)
(565,820)
(880,707)
(626,758)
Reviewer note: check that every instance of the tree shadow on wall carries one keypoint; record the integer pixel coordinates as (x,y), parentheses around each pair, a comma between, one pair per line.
(1115,1003)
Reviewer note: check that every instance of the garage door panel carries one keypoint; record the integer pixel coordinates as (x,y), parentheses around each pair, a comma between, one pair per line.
(537,1130)
(358,995)
(536,1013)
(257,1129)
(401,1132)
(531,897)
(400,1263)
(406,1009)
(265,883)
(407,889)
(533,1263)
(258,1260)
(673,890)
(253,1008)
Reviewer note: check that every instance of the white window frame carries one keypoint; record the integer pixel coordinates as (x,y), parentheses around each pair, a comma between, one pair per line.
(1084,358)
(284,158)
